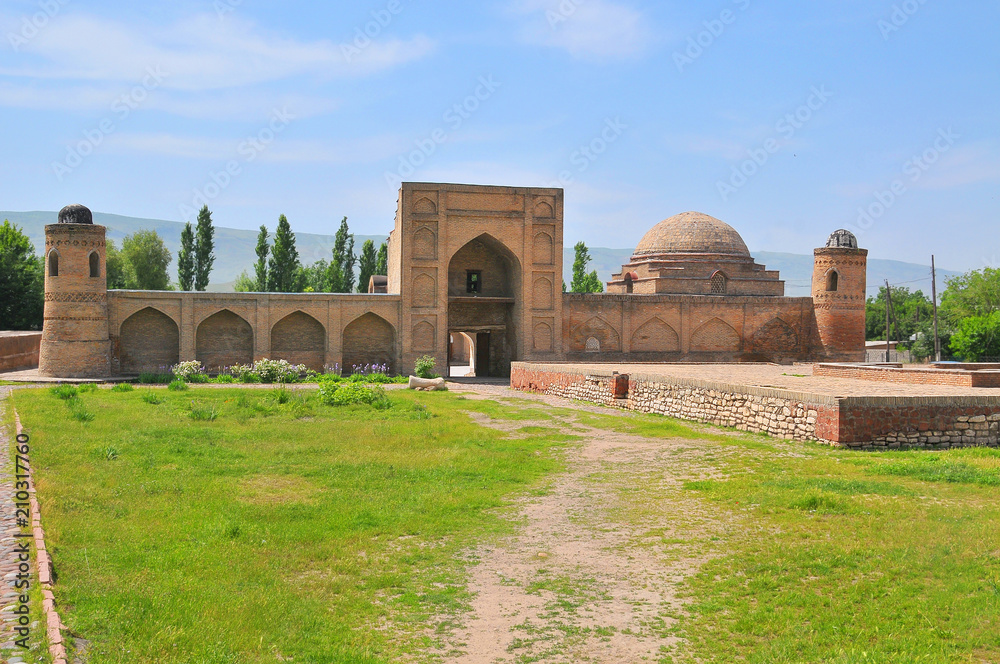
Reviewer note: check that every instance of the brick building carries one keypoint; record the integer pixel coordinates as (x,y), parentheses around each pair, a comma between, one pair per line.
(475,277)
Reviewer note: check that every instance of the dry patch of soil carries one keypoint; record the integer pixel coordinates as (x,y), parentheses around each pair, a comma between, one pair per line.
(593,572)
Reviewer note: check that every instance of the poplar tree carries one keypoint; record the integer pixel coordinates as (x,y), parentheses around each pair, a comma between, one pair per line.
(367,265)
(382,265)
(204,257)
(341,271)
(186,259)
(582,281)
(283,268)
(260,267)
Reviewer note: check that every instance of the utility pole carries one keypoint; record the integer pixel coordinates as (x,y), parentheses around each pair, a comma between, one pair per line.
(888,303)
(937,339)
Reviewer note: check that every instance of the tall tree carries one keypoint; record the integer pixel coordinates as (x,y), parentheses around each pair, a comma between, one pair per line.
(22,281)
(186,259)
(260,267)
(341,271)
(245,283)
(584,282)
(367,265)
(382,266)
(149,258)
(911,310)
(120,273)
(975,293)
(314,277)
(283,268)
(204,247)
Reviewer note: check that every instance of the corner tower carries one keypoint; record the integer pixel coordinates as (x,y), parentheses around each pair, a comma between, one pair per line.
(839,288)
(75,341)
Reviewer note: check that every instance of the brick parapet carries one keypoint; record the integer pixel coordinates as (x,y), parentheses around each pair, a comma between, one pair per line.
(911,376)
(867,423)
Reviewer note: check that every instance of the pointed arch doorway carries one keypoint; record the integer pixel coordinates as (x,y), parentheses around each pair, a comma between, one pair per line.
(484,281)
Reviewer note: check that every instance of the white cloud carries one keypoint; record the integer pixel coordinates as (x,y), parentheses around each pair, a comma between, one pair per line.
(200,53)
(586,29)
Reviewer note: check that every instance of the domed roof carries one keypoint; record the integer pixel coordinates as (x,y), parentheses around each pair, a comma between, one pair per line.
(75,214)
(842,239)
(692,232)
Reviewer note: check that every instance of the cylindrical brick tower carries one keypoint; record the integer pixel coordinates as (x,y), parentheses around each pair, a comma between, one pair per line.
(75,332)
(839,288)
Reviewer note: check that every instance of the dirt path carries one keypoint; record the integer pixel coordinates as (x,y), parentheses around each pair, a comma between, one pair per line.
(594,572)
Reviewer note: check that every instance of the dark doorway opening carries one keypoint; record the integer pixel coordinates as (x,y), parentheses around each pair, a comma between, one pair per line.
(483,355)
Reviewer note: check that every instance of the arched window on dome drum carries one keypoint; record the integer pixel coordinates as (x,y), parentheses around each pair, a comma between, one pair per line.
(95,264)
(53,264)
(718,284)
(629,283)
(832,282)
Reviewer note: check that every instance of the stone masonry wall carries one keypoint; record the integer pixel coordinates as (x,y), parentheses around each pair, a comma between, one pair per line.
(863,423)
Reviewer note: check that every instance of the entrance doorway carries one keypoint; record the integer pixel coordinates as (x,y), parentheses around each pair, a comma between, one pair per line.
(469,354)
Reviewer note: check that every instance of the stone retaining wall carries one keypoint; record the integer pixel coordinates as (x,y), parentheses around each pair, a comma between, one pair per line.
(866,423)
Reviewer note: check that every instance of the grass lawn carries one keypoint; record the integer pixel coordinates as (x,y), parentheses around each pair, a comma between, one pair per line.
(221,525)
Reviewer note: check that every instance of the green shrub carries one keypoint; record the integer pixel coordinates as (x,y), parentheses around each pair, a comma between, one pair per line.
(79,413)
(224,378)
(346,394)
(249,377)
(122,387)
(152,398)
(268,371)
(65,392)
(88,387)
(424,367)
(178,386)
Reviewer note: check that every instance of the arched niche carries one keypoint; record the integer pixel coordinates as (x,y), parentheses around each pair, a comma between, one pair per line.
(149,341)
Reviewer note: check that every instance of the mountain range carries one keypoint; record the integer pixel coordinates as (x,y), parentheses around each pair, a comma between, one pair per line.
(234,250)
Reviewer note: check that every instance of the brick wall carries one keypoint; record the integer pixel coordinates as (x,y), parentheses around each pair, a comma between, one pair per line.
(863,423)
(911,376)
(300,339)
(369,340)
(148,341)
(19,350)
(223,340)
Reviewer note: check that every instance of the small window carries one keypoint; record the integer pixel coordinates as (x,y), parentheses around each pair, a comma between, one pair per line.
(474,282)
(832,282)
(718,284)
(593,345)
(53,264)
(95,264)
(629,284)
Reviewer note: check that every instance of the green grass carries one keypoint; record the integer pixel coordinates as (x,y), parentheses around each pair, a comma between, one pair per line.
(225,525)
(840,557)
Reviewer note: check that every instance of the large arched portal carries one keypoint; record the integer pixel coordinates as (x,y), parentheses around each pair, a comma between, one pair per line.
(222,340)
(484,285)
(369,341)
(148,341)
(300,339)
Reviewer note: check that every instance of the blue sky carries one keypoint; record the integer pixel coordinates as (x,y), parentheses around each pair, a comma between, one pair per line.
(785,119)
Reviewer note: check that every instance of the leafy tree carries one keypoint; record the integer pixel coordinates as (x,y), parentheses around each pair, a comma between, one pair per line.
(204,257)
(382,264)
(975,293)
(245,283)
(148,258)
(283,267)
(367,265)
(582,281)
(22,281)
(911,311)
(314,277)
(978,338)
(121,276)
(341,274)
(186,259)
(260,267)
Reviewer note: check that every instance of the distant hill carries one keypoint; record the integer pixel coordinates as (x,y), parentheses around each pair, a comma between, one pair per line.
(235,253)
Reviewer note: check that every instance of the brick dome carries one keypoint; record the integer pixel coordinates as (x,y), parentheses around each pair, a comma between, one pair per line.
(692,233)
